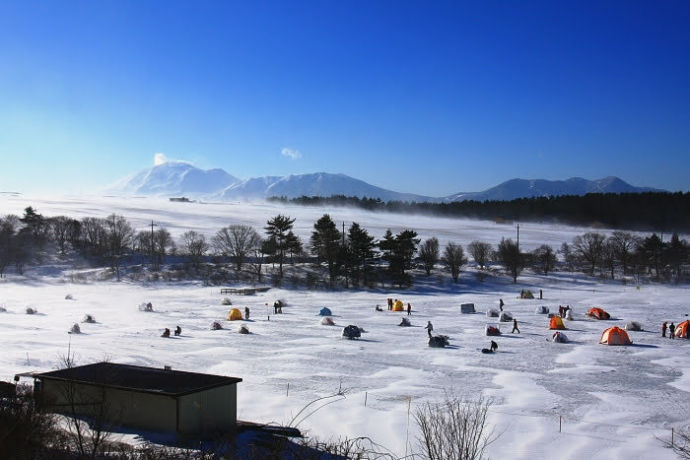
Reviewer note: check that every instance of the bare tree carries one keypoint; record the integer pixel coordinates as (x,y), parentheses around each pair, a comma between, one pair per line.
(455,429)
(589,248)
(62,228)
(236,241)
(510,256)
(624,244)
(679,443)
(89,434)
(429,254)
(195,246)
(566,251)
(544,258)
(119,234)
(608,257)
(94,235)
(454,258)
(480,252)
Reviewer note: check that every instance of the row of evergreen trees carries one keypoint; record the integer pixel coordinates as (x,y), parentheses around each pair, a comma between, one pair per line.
(652,211)
(349,257)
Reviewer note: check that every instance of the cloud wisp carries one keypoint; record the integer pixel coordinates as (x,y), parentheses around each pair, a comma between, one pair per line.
(159,159)
(293,154)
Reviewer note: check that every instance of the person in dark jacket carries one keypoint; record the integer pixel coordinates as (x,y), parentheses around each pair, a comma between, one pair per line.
(166,333)
(178,330)
(663,329)
(409,309)
(246,312)
(671,330)
(515,327)
(429,327)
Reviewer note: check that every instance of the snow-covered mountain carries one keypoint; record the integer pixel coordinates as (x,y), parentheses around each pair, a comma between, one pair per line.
(176,178)
(316,184)
(529,188)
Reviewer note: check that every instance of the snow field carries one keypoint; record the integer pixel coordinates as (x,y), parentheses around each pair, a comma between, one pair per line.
(612,401)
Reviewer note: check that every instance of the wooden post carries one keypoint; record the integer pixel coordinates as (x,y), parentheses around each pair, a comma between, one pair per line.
(365,398)
(560,423)
(287,392)
(672,433)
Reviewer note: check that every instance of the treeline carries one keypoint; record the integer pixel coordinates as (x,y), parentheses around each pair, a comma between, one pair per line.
(651,211)
(348,258)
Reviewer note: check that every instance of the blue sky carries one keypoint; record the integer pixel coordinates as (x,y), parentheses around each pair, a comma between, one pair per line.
(425,97)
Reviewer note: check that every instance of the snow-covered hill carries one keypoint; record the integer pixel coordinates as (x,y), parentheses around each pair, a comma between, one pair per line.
(529,188)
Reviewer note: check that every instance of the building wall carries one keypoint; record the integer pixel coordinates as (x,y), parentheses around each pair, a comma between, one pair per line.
(210,410)
(117,407)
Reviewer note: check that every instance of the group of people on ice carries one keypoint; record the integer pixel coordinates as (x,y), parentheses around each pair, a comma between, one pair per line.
(671,330)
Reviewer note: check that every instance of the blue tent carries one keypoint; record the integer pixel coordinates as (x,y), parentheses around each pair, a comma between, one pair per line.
(325,311)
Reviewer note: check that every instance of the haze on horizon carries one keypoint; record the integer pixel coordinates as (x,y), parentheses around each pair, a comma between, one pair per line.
(428,99)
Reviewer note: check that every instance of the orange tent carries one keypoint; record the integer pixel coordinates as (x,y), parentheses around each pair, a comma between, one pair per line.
(234,314)
(682,329)
(615,336)
(598,313)
(398,306)
(556,323)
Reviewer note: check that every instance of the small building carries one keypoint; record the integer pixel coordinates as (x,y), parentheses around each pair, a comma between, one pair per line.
(144,398)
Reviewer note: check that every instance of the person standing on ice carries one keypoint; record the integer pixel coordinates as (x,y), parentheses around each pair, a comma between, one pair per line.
(429,327)
(409,308)
(246,312)
(515,327)
(663,329)
(671,330)
(500,304)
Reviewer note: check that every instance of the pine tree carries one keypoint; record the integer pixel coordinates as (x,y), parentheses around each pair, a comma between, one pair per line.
(326,245)
(278,244)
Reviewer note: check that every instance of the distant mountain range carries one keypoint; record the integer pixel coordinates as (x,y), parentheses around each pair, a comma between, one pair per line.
(177,178)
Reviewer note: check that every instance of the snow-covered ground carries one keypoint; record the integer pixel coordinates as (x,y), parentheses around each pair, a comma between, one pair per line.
(611,401)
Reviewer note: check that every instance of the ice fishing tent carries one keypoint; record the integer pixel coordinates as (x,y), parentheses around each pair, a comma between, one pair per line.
(234,314)
(398,305)
(682,329)
(556,323)
(505,317)
(542,310)
(493,329)
(615,336)
(438,341)
(327,321)
(325,311)
(492,313)
(598,313)
(559,337)
(633,326)
(526,294)
(351,332)
(467,308)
